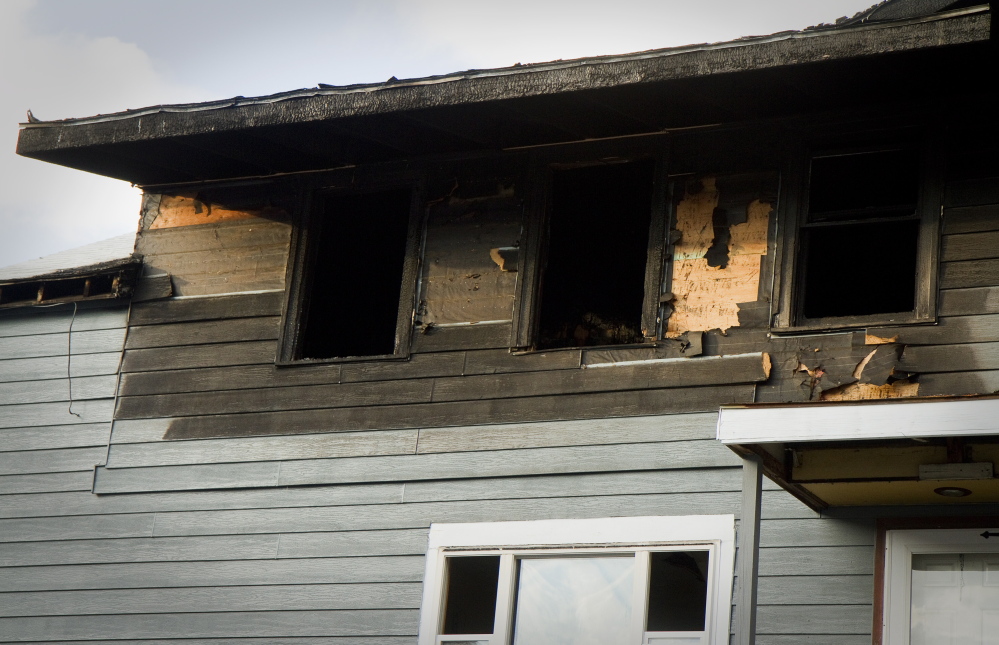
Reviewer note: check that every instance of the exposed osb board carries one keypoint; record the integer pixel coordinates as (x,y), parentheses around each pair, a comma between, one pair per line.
(462,280)
(866,391)
(718,257)
(906,493)
(188,210)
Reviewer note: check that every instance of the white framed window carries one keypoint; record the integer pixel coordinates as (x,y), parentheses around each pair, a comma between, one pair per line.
(941,587)
(606,581)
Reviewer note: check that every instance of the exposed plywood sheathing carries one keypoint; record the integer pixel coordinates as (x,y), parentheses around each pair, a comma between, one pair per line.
(188,210)
(865,391)
(709,283)
(462,280)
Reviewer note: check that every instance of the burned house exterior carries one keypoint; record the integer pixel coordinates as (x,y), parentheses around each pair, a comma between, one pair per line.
(720,322)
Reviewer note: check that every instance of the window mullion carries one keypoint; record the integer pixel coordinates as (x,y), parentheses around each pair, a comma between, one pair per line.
(502,627)
(640,598)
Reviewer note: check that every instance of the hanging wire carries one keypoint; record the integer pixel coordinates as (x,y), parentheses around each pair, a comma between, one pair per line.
(69,362)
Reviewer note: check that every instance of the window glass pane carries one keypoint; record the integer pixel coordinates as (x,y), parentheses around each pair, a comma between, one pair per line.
(678,591)
(860,269)
(955,599)
(574,601)
(470,606)
(870,184)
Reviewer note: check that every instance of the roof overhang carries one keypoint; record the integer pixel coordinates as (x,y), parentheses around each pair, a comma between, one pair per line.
(889,452)
(784,74)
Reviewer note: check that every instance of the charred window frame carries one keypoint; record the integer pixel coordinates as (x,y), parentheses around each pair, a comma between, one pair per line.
(878,252)
(323,214)
(547,169)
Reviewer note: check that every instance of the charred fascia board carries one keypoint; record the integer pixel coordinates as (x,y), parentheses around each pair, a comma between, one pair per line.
(481,86)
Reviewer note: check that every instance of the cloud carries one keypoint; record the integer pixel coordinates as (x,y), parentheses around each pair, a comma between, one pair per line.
(46,208)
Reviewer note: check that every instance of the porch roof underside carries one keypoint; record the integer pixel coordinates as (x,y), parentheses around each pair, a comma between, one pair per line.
(871,453)
(762,78)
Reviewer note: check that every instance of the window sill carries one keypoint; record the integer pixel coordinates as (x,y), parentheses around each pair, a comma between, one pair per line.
(852,323)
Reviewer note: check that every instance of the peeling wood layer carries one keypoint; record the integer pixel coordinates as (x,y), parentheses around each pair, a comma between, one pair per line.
(722,228)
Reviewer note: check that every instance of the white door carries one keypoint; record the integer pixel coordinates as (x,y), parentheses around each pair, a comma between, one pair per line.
(942,587)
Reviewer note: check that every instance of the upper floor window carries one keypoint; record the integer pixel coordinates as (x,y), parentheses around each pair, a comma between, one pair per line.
(862,245)
(354,276)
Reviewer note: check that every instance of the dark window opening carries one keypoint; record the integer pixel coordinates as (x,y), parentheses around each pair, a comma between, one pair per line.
(593,287)
(859,241)
(470,596)
(357,264)
(678,591)
(862,186)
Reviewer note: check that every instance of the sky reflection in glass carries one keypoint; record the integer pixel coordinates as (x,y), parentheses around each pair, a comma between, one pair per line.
(574,601)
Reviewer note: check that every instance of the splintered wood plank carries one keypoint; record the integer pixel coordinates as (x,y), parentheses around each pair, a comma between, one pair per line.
(203,332)
(211,355)
(218,308)
(541,408)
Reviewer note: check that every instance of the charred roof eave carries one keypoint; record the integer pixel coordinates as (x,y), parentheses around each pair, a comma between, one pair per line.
(174,144)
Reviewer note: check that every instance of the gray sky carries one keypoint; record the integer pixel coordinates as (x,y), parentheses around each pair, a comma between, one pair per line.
(72,58)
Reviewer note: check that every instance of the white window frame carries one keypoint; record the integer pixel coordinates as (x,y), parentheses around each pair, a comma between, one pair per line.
(638,535)
(900,546)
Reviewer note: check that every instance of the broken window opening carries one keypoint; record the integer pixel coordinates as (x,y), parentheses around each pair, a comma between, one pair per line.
(593,286)
(358,256)
(860,237)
